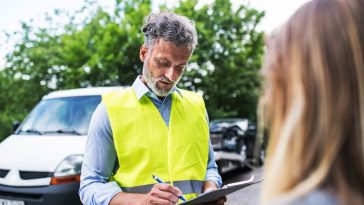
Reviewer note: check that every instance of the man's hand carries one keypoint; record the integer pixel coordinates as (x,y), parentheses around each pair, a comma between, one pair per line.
(210,186)
(160,194)
(163,194)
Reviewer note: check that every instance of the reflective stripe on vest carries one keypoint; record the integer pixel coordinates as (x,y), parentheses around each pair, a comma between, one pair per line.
(187,187)
(146,146)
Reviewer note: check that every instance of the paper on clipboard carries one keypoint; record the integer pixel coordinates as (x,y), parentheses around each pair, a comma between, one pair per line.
(216,194)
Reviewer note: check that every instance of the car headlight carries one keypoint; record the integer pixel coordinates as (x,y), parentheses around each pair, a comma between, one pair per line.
(68,170)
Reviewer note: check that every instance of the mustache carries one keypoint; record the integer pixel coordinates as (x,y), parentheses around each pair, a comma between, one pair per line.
(166,80)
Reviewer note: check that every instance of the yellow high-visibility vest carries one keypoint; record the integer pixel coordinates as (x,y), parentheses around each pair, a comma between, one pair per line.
(177,154)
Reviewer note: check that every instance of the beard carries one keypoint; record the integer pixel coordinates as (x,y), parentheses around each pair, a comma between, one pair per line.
(152,82)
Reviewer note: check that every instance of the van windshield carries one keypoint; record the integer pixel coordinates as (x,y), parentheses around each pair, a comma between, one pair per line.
(67,115)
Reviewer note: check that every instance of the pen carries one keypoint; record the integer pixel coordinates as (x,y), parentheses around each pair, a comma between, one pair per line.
(161,182)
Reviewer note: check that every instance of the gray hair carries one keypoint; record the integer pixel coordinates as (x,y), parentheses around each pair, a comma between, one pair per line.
(170,27)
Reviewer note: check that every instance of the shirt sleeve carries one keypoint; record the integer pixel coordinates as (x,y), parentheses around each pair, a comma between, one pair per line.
(212,173)
(99,162)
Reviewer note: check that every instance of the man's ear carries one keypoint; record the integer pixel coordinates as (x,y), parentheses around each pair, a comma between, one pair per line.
(143,53)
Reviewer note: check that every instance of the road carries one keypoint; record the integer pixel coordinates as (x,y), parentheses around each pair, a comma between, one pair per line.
(247,196)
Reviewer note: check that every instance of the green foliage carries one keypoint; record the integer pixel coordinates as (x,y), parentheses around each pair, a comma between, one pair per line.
(228,57)
(100,48)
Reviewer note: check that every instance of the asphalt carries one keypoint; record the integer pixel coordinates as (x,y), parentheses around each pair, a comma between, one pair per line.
(249,195)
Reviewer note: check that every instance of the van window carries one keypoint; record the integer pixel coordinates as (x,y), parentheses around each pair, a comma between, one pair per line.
(68,115)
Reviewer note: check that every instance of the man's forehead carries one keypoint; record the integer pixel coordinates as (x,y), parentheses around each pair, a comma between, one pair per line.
(164,59)
(169,51)
(160,57)
(164,43)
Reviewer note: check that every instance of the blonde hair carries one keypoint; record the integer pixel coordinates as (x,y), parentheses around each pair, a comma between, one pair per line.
(313,103)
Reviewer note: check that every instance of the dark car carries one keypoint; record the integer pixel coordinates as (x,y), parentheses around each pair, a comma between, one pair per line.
(239,136)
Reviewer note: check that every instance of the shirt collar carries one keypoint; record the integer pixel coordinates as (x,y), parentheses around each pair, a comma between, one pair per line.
(141,89)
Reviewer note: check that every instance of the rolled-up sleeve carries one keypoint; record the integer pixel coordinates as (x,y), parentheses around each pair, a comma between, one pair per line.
(212,173)
(99,162)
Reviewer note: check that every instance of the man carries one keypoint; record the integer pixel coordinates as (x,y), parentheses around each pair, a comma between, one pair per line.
(152,128)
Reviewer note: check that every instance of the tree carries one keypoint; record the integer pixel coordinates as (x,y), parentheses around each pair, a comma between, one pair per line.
(94,48)
(100,48)
(228,58)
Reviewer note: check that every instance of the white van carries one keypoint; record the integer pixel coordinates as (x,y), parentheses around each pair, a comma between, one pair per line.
(41,162)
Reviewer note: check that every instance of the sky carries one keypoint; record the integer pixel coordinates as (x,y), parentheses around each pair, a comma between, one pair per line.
(14,11)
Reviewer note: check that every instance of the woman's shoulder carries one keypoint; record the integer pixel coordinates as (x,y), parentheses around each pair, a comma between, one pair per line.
(316,197)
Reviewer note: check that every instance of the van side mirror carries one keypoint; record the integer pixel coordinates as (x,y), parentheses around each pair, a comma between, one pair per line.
(16,124)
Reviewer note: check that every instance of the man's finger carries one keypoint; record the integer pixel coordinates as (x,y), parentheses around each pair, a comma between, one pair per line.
(169,188)
(164,192)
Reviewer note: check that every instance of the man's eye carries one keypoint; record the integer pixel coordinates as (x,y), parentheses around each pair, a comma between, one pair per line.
(181,68)
(163,64)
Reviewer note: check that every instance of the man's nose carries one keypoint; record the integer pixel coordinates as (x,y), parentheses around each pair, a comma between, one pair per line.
(171,74)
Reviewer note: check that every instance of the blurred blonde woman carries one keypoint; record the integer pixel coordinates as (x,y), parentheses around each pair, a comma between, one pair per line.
(313,106)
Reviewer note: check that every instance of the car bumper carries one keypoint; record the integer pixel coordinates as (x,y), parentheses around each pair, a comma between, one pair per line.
(52,195)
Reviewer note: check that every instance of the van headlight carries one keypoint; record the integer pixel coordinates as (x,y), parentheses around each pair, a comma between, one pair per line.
(68,170)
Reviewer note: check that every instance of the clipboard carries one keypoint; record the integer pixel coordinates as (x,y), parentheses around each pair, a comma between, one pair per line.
(225,190)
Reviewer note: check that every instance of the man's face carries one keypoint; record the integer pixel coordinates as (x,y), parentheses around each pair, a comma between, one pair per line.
(163,66)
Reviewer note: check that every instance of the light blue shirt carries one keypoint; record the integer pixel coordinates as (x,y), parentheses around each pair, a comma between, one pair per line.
(100,160)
